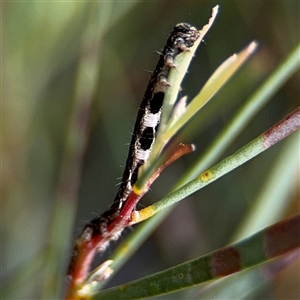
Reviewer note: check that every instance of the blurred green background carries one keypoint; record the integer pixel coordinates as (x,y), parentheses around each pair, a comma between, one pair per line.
(73,75)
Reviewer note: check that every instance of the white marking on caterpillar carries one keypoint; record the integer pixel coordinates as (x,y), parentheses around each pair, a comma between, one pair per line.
(142,155)
(151,120)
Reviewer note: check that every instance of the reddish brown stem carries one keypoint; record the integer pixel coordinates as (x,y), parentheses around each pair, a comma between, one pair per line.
(282,129)
(88,248)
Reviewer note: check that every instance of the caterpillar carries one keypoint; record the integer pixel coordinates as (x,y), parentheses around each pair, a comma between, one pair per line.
(182,37)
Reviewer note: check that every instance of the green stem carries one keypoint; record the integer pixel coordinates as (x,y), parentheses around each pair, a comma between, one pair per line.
(252,106)
(275,134)
(267,244)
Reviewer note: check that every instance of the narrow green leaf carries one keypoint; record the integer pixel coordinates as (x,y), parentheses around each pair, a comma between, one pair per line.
(182,62)
(247,253)
(275,134)
(212,86)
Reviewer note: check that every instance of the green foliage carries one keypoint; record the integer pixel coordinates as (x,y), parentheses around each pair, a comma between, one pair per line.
(72,77)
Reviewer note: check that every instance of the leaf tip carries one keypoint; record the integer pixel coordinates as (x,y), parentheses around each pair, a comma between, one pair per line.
(252,47)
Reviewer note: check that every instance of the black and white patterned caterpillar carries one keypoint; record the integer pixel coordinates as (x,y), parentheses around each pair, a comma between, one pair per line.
(181,39)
